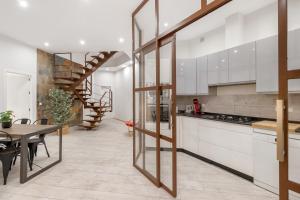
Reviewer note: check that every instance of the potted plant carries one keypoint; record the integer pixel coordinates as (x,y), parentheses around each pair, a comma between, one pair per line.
(6,119)
(59,107)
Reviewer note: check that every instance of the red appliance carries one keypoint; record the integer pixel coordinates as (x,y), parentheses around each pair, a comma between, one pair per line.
(197,106)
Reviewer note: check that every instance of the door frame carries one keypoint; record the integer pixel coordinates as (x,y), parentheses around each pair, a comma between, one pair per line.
(19,72)
(158,41)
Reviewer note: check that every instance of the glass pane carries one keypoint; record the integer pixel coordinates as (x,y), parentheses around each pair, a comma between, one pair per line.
(145,110)
(150,69)
(139,146)
(293,42)
(150,155)
(166,64)
(171,12)
(137,71)
(166,162)
(145,24)
(166,113)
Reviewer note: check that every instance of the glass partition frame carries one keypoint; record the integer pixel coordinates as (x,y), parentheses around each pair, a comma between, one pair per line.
(139,52)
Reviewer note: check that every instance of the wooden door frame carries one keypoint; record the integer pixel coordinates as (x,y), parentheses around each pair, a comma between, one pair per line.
(282,108)
(159,40)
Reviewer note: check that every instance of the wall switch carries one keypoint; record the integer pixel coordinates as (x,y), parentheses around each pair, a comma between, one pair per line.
(291,109)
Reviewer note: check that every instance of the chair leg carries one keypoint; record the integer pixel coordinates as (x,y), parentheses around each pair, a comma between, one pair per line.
(44,143)
(31,147)
(6,163)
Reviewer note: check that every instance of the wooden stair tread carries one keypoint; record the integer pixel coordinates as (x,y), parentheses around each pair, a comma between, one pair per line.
(91,120)
(79,73)
(91,63)
(95,116)
(88,126)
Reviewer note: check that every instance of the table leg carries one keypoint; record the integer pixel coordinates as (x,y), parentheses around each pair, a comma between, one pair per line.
(24,155)
(60,144)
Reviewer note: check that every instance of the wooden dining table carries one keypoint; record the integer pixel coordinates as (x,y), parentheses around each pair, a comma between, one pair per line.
(24,133)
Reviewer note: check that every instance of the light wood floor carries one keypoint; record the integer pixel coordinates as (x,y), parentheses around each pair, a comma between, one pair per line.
(98,165)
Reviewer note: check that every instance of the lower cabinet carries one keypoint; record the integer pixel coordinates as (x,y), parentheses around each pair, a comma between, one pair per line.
(227,144)
(266,166)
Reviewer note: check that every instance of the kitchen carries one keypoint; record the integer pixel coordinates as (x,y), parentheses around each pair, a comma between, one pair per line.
(227,86)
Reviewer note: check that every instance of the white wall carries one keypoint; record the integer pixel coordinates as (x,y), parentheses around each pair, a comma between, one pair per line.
(239,29)
(123,94)
(20,58)
(121,84)
(102,78)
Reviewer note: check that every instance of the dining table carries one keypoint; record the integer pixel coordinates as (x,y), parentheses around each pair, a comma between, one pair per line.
(24,133)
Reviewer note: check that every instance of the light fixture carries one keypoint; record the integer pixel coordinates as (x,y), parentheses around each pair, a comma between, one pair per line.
(23,3)
(166,24)
(46,44)
(82,42)
(235,51)
(121,40)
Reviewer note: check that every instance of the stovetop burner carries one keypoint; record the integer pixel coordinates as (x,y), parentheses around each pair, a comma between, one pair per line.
(230,118)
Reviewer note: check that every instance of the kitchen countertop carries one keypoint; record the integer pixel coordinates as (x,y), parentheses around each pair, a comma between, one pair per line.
(272,125)
(206,116)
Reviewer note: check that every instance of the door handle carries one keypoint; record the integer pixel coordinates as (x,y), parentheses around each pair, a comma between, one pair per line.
(280,107)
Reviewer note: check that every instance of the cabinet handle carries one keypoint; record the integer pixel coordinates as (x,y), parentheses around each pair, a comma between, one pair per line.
(280,132)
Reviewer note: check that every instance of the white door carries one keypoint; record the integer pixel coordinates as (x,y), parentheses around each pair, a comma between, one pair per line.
(18,90)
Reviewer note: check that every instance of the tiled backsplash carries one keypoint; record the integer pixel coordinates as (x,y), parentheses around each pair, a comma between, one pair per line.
(256,105)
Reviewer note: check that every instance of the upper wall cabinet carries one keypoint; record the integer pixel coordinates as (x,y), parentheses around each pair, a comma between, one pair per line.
(202,82)
(267,65)
(267,62)
(186,76)
(218,68)
(242,63)
(294,57)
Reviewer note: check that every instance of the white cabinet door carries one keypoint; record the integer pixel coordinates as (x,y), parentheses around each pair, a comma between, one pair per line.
(213,69)
(242,63)
(267,65)
(218,68)
(294,57)
(186,76)
(189,134)
(180,76)
(202,83)
(223,67)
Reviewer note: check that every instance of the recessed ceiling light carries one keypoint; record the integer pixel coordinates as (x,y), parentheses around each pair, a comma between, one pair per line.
(82,42)
(166,24)
(121,40)
(23,3)
(46,44)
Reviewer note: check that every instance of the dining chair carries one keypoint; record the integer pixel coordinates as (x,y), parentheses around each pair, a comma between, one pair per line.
(35,141)
(8,152)
(22,121)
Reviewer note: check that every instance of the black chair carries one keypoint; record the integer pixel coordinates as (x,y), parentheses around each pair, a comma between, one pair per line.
(8,152)
(34,142)
(22,121)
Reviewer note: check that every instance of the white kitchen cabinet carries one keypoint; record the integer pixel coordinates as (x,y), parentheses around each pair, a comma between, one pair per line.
(223,67)
(218,68)
(294,57)
(202,82)
(267,65)
(242,63)
(186,76)
(189,134)
(224,143)
(213,69)
(267,62)
(266,166)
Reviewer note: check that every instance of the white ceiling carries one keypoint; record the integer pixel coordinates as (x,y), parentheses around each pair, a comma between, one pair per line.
(63,23)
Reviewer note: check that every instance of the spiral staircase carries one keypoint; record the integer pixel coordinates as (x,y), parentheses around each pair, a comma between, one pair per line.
(78,81)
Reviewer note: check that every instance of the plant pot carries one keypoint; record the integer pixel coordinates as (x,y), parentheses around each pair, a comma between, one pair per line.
(6,124)
(65,130)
